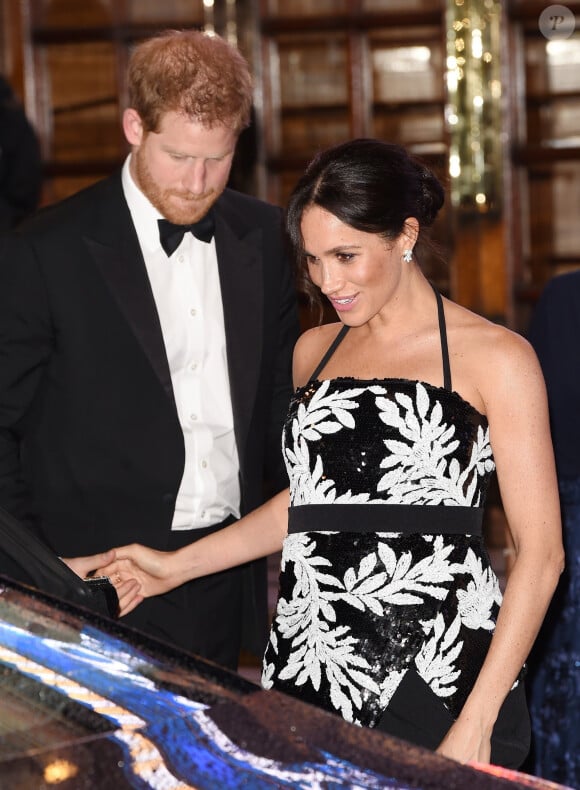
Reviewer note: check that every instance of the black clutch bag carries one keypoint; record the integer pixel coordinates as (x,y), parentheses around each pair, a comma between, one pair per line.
(25,558)
(103,594)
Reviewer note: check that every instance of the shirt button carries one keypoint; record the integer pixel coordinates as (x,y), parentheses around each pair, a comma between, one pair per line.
(203,514)
(204,464)
(181,259)
(193,311)
(193,417)
(193,366)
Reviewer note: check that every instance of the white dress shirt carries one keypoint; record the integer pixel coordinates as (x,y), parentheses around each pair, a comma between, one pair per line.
(187,293)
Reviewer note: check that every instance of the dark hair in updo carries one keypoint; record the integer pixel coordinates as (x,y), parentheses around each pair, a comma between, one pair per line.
(368,184)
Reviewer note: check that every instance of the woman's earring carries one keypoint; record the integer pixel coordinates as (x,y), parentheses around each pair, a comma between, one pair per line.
(407,256)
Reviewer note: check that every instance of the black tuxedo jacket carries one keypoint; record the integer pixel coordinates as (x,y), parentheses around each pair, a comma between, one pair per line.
(91,450)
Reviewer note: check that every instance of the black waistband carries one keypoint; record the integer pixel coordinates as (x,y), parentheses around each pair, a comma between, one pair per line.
(408,519)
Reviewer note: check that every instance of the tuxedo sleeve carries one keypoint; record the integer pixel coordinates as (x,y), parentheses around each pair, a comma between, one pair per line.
(26,341)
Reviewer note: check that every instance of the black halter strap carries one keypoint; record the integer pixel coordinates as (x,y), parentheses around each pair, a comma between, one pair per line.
(442,334)
(330,351)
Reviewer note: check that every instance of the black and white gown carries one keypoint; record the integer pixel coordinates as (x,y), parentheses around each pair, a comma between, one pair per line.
(387,600)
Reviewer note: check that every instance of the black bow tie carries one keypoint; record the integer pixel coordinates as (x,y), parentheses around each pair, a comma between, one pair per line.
(170,235)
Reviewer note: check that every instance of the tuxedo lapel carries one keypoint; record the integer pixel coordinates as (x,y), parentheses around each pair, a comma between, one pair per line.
(117,253)
(115,248)
(240,270)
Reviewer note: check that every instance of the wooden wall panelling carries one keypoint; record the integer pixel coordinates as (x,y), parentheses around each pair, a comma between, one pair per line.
(476,158)
(12,51)
(332,71)
(545,153)
(326,71)
(406,66)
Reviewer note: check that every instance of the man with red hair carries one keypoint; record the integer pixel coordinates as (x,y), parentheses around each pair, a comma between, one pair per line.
(146,331)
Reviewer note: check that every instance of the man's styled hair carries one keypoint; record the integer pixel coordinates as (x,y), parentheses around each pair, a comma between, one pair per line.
(190,72)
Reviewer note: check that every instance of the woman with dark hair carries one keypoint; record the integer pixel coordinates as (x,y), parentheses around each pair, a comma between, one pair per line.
(389,612)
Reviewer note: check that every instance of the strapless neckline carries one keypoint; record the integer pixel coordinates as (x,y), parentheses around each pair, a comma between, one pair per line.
(392,380)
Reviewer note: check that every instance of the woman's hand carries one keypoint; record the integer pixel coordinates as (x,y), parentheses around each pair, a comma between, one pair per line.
(85,566)
(147,571)
(466,743)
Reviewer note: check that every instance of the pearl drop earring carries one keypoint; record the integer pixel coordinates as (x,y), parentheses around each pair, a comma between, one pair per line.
(407,256)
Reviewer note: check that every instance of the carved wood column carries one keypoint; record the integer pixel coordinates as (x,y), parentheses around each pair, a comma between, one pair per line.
(480,277)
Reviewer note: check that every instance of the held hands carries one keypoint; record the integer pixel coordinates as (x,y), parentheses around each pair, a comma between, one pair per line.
(138,572)
(128,589)
(135,571)
(104,564)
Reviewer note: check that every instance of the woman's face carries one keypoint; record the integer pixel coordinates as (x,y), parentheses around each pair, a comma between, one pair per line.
(358,272)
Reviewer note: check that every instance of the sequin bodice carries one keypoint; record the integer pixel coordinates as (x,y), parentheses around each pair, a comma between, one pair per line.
(393,441)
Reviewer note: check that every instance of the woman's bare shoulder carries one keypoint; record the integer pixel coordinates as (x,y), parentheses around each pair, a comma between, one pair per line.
(310,348)
(494,357)
(484,336)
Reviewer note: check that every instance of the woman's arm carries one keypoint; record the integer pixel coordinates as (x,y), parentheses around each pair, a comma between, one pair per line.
(258,534)
(516,404)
